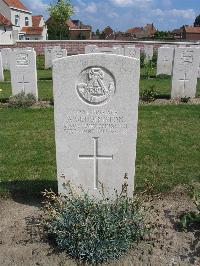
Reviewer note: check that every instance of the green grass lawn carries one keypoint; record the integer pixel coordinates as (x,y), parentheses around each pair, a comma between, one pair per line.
(168,148)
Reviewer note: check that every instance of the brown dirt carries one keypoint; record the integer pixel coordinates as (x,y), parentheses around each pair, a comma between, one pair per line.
(22,242)
(171,102)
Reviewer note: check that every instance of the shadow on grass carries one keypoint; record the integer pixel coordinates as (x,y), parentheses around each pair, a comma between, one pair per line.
(163,96)
(43,79)
(27,192)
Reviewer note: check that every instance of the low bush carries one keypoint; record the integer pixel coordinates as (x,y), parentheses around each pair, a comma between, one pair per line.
(185,99)
(91,230)
(149,95)
(21,100)
(190,219)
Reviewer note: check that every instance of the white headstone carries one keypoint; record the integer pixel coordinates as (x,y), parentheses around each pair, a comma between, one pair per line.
(57,53)
(96,112)
(132,51)
(24,72)
(148,51)
(107,50)
(184,81)
(24,48)
(1,69)
(47,55)
(165,60)
(6,53)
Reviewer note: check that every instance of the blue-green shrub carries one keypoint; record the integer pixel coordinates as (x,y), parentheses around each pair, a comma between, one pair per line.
(91,230)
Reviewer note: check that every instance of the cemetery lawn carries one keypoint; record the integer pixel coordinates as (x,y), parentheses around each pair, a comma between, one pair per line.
(168,148)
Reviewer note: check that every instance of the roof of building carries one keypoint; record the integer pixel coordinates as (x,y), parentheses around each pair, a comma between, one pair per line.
(4,21)
(36,20)
(17,4)
(191,29)
(77,24)
(135,30)
(32,30)
(177,31)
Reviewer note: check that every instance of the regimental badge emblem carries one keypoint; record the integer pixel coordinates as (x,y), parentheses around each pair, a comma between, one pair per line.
(96,85)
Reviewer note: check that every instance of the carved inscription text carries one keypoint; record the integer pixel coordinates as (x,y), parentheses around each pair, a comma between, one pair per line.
(95,122)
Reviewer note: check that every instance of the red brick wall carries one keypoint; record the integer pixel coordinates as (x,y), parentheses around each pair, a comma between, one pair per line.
(193,36)
(78,47)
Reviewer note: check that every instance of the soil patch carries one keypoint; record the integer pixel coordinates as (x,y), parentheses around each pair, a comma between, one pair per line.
(22,241)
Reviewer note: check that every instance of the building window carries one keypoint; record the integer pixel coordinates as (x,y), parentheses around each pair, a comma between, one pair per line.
(16,20)
(36,38)
(26,21)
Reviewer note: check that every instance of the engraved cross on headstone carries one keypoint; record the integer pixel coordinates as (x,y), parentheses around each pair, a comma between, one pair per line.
(96,157)
(23,83)
(184,80)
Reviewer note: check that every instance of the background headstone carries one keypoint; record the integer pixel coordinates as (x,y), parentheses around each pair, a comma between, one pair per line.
(57,53)
(165,60)
(24,72)
(96,111)
(185,70)
(1,69)
(6,53)
(148,51)
(107,50)
(132,51)
(24,48)
(47,56)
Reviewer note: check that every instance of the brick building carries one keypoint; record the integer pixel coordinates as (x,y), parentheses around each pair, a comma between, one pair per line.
(147,31)
(77,30)
(191,33)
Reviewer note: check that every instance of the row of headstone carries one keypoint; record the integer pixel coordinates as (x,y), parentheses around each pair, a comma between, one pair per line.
(184,65)
(22,65)
(52,53)
(130,51)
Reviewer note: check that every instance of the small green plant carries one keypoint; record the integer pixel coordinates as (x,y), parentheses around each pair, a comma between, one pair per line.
(150,94)
(190,218)
(148,69)
(91,230)
(21,100)
(185,99)
(142,59)
(154,59)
